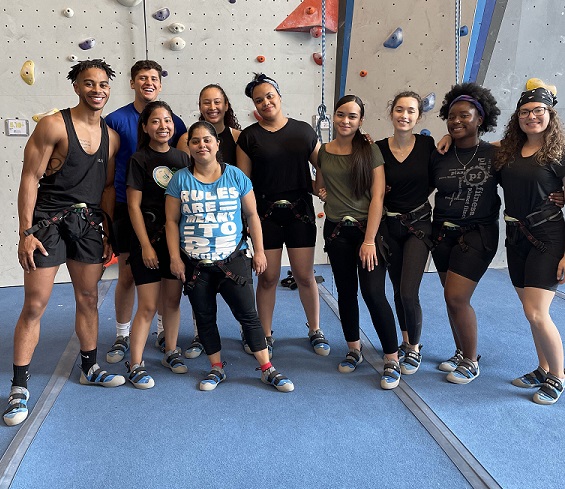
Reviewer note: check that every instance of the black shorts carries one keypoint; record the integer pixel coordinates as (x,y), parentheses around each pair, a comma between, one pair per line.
(73,238)
(283,226)
(123,230)
(143,275)
(469,258)
(528,266)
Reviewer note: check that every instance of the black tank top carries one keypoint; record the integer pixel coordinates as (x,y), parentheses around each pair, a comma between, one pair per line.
(82,177)
(227,146)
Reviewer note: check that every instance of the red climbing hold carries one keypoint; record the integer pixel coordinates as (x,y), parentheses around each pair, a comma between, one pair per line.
(317,58)
(363,73)
(309,14)
(261,59)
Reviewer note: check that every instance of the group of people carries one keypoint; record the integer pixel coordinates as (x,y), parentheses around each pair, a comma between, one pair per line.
(187,200)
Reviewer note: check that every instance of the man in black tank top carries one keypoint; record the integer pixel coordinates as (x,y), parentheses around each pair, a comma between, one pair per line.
(66,185)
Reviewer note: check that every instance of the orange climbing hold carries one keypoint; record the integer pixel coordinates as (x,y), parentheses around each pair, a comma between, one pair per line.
(320,215)
(363,73)
(309,14)
(317,58)
(261,59)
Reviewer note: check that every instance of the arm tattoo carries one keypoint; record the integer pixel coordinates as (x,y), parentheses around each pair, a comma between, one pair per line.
(53,166)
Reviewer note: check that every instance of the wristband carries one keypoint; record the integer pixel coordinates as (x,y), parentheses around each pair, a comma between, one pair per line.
(368,244)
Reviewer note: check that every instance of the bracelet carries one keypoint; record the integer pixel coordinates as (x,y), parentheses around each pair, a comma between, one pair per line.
(368,244)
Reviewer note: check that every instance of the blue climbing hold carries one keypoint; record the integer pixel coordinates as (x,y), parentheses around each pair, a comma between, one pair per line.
(429,101)
(162,14)
(232,1)
(425,132)
(395,39)
(463,30)
(87,43)
(164,73)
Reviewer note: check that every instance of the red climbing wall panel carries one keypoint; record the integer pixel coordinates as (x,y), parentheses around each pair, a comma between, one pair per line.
(309,14)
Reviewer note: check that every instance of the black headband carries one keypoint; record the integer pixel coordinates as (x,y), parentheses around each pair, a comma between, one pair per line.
(258,80)
(539,94)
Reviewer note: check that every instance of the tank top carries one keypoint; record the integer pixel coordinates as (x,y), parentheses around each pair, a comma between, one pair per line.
(227,146)
(82,177)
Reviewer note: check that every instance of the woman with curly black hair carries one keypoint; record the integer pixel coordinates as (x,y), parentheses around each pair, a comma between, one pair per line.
(530,161)
(465,217)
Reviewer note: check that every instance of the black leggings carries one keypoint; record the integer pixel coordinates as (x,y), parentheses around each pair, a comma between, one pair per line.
(407,260)
(239,298)
(343,252)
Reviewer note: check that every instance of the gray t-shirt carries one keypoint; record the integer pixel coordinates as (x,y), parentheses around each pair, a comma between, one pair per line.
(340,200)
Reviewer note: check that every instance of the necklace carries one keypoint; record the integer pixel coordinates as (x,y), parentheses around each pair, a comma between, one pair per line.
(472,157)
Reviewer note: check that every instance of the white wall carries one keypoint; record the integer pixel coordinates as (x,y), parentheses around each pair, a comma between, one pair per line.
(223,40)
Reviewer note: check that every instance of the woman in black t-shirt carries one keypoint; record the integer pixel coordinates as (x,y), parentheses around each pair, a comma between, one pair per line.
(275,154)
(407,227)
(149,171)
(465,217)
(530,162)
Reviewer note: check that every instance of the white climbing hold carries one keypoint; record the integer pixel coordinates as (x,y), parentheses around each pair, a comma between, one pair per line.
(28,72)
(129,3)
(72,57)
(68,12)
(177,44)
(176,28)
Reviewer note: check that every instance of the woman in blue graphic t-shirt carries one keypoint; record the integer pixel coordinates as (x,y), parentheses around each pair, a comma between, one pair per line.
(203,220)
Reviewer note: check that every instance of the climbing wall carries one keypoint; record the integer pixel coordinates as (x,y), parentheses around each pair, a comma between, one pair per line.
(196,41)
(419,55)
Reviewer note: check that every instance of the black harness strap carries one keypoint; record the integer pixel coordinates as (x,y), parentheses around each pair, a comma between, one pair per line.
(219,264)
(531,221)
(347,221)
(285,204)
(410,218)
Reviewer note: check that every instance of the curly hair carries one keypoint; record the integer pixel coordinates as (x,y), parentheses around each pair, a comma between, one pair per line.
(406,94)
(87,64)
(552,150)
(479,93)
(230,119)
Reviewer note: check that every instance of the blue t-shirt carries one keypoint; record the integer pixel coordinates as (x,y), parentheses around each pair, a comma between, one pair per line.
(210,225)
(124,121)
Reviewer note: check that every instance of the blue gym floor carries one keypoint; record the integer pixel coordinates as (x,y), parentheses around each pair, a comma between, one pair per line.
(333,431)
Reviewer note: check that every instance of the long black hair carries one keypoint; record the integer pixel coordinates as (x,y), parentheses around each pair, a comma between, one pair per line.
(143,138)
(361,175)
(230,119)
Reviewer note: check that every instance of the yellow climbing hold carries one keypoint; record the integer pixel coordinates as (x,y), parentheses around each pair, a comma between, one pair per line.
(536,83)
(28,72)
(38,117)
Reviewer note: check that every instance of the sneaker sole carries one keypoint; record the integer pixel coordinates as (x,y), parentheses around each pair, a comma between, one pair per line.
(389,385)
(406,371)
(115,382)
(144,385)
(323,352)
(459,380)
(208,386)
(447,367)
(190,353)
(115,357)
(543,401)
(518,383)
(16,419)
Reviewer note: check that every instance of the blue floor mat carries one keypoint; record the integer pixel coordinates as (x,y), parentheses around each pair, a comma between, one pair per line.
(333,431)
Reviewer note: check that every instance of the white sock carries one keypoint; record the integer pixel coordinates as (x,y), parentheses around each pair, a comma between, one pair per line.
(122,329)
(160,328)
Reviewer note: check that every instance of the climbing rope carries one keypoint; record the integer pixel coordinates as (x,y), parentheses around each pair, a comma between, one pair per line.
(323,119)
(457,37)
(145,29)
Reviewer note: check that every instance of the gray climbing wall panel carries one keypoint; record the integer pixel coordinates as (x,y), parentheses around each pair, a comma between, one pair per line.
(223,40)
